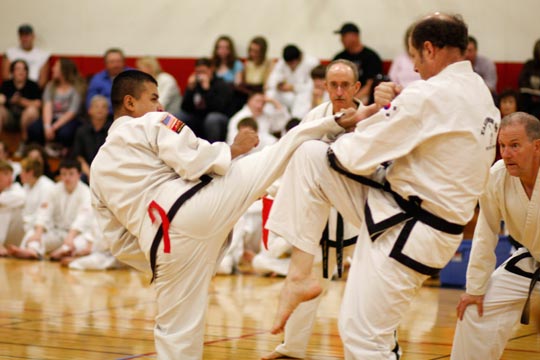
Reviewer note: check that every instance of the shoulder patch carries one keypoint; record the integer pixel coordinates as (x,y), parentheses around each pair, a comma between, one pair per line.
(172,123)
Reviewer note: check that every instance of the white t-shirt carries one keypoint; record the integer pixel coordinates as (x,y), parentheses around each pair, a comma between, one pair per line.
(35,59)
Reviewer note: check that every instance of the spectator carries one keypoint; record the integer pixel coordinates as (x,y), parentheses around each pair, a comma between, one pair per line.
(257,67)
(529,83)
(170,95)
(368,61)
(206,102)
(92,135)
(290,79)
(402,69)
(508,102)
(20,100)
(227,65)
(317,93)
(63,224)
(270,119)
(61,106)
(482,65)
(11,204)
(36,151)
(101,82)
(36,186)
(37,59)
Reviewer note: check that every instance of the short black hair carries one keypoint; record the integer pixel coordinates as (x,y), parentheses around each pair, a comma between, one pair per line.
(248,122)
(70,164)
(473,40)
(204,61)
(291,52)
(15,62)
(441,30)
(129,82)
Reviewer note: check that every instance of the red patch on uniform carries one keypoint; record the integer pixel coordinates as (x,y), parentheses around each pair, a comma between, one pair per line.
(172,123)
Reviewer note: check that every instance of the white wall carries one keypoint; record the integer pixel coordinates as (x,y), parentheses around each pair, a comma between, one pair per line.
(506,29)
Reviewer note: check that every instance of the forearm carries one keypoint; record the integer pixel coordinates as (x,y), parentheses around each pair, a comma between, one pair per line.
(62,120)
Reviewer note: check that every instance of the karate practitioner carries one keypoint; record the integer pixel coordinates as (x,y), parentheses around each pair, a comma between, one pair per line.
(440,134)
(12,199)
(140,179)
(511,195)
(342,85)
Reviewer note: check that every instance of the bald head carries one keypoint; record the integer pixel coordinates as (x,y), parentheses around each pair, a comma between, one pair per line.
(342,84)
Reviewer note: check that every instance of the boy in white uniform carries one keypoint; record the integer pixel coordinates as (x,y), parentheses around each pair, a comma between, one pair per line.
(160,209)
(12,199)
(440,135)
(63,226)
(511,195)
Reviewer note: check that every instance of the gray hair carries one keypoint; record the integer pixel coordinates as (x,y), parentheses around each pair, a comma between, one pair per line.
(347,63)
(530,122)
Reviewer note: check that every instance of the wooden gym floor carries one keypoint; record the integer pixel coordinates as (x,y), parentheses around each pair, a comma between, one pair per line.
(50,312)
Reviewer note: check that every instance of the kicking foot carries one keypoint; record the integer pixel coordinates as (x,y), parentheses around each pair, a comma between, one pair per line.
(294,292)
(276,355)
(22,253)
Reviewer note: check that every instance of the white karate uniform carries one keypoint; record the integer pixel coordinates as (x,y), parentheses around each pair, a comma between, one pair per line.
(58,214)
(506,289)
(11,222)
(35,196)
(156,159)
(441,135)
(269,122)
(300,324)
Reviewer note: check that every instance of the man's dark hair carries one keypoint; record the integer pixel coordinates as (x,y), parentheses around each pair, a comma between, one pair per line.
(129,82)
(291,52)
(441,31)
(203,62)
(70,164)
(113,50)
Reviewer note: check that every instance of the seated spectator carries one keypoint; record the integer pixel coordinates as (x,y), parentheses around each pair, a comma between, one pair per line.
(482,65)
(317,93)
(290,79)
(170,95)
(269,114)
(37,187)
(368,61)
(402,68)
(37,59)
(20,101)
(63,226)
(90,136)
(61,106)
(206,103)
(12,199)
(508,102)
(257,67)
(36,151)
(529,83)
(4,156)
(227,65)
(101,82)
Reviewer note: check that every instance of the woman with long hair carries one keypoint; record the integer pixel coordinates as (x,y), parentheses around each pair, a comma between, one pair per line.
(227,65)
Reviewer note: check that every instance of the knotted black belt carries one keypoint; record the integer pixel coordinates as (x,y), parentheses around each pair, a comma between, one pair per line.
(412,213)
(339,244)
(163,231)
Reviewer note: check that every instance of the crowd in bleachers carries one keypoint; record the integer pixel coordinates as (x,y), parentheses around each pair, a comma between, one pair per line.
(59,114)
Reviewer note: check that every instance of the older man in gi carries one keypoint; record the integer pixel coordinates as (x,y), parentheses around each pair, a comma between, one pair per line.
(440,135)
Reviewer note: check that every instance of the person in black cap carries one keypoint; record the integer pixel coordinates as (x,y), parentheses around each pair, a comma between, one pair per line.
(37,59)
(368,61)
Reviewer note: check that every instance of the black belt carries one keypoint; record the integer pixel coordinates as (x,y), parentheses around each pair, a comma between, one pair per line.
(205,180)
(412,212)
(339,244)
(535,276)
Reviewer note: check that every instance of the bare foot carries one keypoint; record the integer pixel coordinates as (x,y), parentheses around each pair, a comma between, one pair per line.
(294,291)
(275,355)
(60,253)
(3,251)
(22,253)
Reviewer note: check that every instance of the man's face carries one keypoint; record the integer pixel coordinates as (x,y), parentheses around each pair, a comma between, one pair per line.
(6,179)
(114,63)
(70,178)
(204,71)
(26,41)
(350,40)
(421,63)
(99,109)
(342,86)
(517,151)
(148,100)
(470,53)
(293,64)
(256,104)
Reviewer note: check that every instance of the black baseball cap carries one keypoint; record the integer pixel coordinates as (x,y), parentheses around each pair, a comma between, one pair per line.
(348,28)
(26,29)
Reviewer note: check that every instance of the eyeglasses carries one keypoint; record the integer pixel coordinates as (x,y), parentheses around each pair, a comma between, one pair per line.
(344,86)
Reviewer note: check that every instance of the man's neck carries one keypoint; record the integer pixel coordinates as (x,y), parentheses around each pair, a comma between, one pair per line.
(528,182)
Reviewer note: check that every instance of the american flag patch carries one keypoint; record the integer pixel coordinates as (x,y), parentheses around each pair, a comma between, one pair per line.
(172,123)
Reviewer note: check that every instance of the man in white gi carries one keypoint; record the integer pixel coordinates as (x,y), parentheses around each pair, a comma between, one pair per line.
(440,135)
(63,226)
(12,199)
(341,82)
(511,195)
(166,200)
